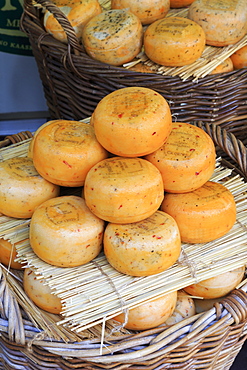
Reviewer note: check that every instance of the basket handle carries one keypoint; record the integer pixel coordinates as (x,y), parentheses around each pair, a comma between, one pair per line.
(73,40)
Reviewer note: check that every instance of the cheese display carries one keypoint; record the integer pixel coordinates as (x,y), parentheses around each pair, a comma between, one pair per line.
(143,248)
(132,122)
(22,189)
(123,190)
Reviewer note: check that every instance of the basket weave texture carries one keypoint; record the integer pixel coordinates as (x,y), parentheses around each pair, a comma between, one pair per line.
(74,83)
(210,340)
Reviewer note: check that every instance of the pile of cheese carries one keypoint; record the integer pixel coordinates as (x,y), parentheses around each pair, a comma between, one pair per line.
(116,35)
(144,185)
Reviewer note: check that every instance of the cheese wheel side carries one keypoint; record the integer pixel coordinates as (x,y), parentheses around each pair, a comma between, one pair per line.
(132,121)
(114,37)
(224,22)
(174,41)
(143,248)
(149,314)
(22,189)
(64,151)
(64,233)
(186,160)
(123,190)
(204,214)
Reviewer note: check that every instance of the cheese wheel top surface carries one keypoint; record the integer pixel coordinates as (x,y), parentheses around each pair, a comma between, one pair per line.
(64,151)
(64,232)
(224,22)
(186,160)
(174,41)
(143,248)
(22,188)
(113,37)
(204,214)
(147,11)
(132,121)
(123,190)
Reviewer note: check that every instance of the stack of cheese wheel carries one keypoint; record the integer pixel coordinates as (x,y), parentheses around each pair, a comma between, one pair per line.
(204,210)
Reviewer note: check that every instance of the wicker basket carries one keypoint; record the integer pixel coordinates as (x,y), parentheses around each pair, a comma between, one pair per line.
(74,83)
(210,340)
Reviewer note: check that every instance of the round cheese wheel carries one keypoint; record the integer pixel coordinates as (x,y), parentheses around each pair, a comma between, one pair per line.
(63,232)
(217,286)
(149,314)
(174,4)
(186,160)
(143,248)
(22,188)
(113,37)
(147,11)
(225,66)
(174,41)
(224,22)
(8,254)
(204,214)
(239,58)
(132,121)
(64,151)
(30,148)
(185,307)
(40,293)
(123,190)
(78,14)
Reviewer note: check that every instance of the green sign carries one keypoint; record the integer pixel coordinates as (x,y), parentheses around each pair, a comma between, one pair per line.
(12,39)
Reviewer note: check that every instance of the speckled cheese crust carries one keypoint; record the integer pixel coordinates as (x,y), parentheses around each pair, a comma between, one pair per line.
(223,21)
(63,232)
(123,190)
(22,189)
(114,37)
(147,11)
(174,41)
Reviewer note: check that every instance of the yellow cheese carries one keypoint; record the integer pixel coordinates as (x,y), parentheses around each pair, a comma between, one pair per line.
(64,151)
(123,190)
(40,293)
(143,248)
(174,41)
(132,121)
(113,37)
(147,11)
(22,188)
(224,22)
(149,314)
(186,160)
(204,214)
(217,286)
(63,232)
(78,14)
